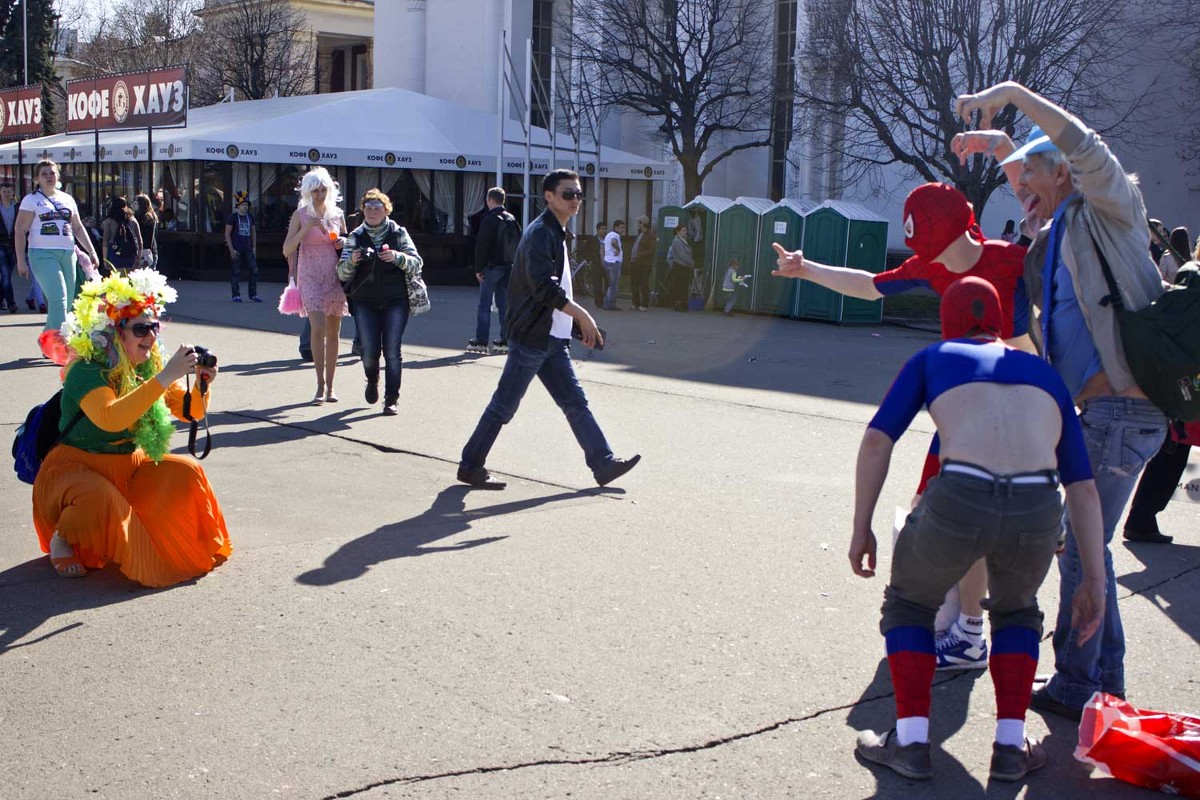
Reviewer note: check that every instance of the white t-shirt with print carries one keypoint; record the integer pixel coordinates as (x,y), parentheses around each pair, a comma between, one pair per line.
(560,323)
(51,225)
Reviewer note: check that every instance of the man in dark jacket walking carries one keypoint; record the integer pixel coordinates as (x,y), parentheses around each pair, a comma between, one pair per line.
(541,318)
(494,248)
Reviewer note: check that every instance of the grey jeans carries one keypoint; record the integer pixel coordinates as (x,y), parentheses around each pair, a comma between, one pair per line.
(960,520)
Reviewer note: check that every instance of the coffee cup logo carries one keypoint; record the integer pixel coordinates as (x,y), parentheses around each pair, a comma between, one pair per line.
(120,102)
(460,162)
(171,150)
(232,151)
(389,159)
(590,169)
(314,155)
(648,172)
(3,117)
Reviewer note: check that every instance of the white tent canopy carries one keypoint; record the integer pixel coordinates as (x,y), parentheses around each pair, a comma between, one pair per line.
(373,128)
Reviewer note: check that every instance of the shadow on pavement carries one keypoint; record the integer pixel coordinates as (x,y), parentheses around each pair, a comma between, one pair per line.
(44,596)
(1162,583)
(411,537)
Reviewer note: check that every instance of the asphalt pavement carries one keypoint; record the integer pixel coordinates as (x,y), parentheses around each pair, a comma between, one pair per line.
(694,631)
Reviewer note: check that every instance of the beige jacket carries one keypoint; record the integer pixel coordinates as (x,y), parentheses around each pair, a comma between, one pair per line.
(1109,207)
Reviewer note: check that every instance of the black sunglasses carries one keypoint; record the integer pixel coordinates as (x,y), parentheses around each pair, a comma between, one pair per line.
(571,194)
(143,329)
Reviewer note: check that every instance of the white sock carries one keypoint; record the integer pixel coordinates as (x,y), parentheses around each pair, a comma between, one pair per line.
(1010,732)
(912,729)
(971,626)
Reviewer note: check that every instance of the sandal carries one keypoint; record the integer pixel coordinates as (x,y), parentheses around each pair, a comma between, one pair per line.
(319,398)
(69,566)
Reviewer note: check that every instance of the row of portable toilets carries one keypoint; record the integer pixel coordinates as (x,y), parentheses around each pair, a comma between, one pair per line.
(833,232)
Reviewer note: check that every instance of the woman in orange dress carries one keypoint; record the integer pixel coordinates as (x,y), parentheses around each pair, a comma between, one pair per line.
(110,491)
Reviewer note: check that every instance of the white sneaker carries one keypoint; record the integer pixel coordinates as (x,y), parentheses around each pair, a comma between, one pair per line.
(955,649)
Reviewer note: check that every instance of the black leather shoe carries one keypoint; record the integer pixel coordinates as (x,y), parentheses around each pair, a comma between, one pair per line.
(1149,537)
(1043,701)
(371,394)
(305,356)
(614,469)
(479,478)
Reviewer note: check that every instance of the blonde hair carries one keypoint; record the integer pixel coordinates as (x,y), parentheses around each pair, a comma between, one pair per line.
(314,179)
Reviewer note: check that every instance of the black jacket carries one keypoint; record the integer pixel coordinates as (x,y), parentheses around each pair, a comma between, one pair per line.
(376,282)
(534,288)
(488,241)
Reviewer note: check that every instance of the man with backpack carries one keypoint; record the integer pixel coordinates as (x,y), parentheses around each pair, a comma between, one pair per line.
(1094,216)
(495,247)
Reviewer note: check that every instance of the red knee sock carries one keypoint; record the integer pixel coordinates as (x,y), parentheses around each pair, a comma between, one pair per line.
(911,660)
(1013,664)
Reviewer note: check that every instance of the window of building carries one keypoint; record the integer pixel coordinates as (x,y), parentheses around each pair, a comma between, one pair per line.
(785,81)
(543,40)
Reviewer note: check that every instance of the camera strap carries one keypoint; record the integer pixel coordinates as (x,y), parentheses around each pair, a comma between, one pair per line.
(195,425)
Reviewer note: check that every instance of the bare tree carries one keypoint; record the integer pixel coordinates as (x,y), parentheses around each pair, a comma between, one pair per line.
(257,48)
(702,68)
(879,77)
(139,34)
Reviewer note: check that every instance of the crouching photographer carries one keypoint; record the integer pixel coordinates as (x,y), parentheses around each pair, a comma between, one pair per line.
(110,491)
(377,265)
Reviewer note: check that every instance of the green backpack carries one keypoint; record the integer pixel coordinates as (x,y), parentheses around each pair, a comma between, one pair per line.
(1162,341)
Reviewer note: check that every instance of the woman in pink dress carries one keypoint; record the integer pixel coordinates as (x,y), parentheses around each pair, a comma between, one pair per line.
(317,233)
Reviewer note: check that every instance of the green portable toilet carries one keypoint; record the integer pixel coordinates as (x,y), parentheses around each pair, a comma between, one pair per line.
(824,240)
(704,215)
(782,223)
(829,232)
(668,218)
(739,238)
(866,248)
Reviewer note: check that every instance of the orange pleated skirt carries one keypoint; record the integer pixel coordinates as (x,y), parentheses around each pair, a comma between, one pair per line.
(160,523)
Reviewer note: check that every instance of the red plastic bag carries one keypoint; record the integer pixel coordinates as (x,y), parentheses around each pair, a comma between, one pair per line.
(1153,749)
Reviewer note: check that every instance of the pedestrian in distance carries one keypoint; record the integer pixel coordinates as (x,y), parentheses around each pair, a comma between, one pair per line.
(8,256)
(147,220)
(120,237)
(595,257)
(495,248)
(241,240)
(1009,437)
(731,283)
(315,239)
(641,263)
(1072,181)
(50,220)
(614,258)
(543,319)
(680,266)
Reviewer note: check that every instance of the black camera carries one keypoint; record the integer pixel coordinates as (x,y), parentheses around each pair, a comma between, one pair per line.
(204,357)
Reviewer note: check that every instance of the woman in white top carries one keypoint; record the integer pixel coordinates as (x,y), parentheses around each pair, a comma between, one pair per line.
(50,219)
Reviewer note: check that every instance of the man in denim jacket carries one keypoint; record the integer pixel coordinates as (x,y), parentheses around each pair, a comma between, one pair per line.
(1075,185)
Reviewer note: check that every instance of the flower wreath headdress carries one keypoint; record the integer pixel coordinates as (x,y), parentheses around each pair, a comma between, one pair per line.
(90,333)
(91,328)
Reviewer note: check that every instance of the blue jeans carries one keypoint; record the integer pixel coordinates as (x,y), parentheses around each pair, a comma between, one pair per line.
(1122,434)
(248,258)
(36,295)
(613,269)
(381,330)
(495,284)
(554,368)
(8,263)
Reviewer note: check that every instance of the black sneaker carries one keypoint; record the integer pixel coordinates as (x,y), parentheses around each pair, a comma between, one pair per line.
(371,395)
(391,407)
(476,346)
(237,298)
(1011,763)
(614,469)
(913,761)
(479,478)
(356,348)
(1042,700)
(255,298)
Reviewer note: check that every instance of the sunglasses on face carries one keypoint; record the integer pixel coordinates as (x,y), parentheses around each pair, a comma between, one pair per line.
(571,194)
(373,205)
(143,329)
